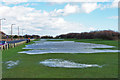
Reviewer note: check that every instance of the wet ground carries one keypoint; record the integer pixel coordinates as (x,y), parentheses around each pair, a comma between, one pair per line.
(11,64)
(44,46)
(66,64)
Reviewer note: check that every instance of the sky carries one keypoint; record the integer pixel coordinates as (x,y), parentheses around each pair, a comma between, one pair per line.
(55,18)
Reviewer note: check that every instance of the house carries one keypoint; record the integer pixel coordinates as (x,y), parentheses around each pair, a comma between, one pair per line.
(2,35)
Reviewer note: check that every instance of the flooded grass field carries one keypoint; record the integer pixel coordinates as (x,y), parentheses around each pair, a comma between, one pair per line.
(44,46)
(59,63)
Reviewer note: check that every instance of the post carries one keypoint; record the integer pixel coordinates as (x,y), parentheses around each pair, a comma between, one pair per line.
(18,32)
(11,31)
(0,24)
(22,33)
(0,31)
(0,28)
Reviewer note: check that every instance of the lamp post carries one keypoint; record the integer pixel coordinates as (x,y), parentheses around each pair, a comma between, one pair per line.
(0,28)
(18,32)
(1,22)
(22,32)
(12,31)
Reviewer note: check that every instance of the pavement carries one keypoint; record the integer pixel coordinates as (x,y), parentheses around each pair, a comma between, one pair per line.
(16,41)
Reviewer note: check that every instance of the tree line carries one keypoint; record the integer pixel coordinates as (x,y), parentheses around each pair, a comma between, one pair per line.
(104,34)
(24,36)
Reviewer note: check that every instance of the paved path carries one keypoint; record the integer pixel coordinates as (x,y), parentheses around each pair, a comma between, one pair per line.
(16,41)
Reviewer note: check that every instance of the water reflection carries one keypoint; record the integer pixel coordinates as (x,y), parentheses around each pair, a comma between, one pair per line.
(11,64)
(43,46)
(66,64)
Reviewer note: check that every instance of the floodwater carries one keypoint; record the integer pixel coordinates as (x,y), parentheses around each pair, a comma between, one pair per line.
(66,64)
(11,64)
(43,46)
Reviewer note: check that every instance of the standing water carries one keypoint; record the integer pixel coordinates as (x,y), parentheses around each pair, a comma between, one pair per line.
(44,46)
(66,64)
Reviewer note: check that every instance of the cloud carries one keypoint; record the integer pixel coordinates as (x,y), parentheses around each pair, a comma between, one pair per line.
(37,21)
(13,1)
(18,15)
(92,29)
(68,9)
(89,7)
(58,1)
(115,4)
(113,17)
(7,2)
(43,22)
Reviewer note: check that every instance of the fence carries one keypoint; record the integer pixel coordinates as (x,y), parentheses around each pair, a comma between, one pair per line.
(12,45)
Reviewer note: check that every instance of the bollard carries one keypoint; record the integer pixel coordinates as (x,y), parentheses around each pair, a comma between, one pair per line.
(1,47)
(5,47)
(11,45)
(8,46)
(14,44)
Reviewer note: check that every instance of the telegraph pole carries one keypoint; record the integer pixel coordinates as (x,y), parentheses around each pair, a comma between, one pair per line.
(12,31)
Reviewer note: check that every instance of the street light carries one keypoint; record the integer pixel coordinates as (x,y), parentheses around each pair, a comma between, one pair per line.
(18,32)
(1,22)
(0,28)
(22,32)
(11,31)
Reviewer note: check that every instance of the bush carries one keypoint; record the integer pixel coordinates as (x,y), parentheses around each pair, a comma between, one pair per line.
(105,34)
(46,37)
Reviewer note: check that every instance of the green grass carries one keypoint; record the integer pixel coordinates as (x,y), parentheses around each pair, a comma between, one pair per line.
(29,66)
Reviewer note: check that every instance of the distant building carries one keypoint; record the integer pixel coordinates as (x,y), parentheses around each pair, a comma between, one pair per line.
(2,35)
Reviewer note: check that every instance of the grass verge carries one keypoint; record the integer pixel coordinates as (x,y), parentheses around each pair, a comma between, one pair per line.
(29,66)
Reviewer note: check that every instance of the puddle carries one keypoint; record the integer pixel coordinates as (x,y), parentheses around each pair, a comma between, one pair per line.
(66,64)
(11,64)
(65,51)
(43,46)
